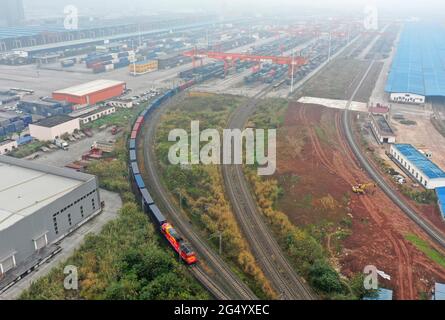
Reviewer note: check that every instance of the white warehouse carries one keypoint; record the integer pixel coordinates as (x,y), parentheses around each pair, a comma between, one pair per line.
(419,167)
(39,205)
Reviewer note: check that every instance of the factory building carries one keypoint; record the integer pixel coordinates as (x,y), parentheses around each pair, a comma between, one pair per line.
(121,103)
(7,146)
(417,72)
(418,166)
(39,206)
(382,130)
(93,114)
(54,127)
(91,93)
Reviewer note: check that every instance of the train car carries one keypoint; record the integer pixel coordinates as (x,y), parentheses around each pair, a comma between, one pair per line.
(132,144)
(140,119)
(177,242)
(133,156)
(137,127)
(146,200)
(134,135)
(139,182)
(157,215)
(135,169)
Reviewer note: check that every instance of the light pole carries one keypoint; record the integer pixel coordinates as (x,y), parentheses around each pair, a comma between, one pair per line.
(219,235)
(292,72)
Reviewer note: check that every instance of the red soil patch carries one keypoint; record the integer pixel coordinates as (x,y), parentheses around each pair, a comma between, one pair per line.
(316,168)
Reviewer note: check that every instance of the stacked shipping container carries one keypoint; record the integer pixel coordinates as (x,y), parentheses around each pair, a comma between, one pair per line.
(106,62)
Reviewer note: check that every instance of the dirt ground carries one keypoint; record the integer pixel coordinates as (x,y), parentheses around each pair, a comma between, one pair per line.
(316,170)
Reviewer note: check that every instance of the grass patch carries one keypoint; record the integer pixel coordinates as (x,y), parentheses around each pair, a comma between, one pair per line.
(423,246)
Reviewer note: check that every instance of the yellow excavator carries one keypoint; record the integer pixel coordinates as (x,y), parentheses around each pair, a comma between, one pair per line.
(362,188)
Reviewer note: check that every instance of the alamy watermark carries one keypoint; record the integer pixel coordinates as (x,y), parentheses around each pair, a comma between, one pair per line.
(187,150)
(371,280)
(71,281)
(371,20)
(71,21)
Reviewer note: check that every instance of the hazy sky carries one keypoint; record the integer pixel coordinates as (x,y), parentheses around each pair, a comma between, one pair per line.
(128,7)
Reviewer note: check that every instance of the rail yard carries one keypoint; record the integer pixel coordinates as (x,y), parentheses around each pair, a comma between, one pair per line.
(359,184)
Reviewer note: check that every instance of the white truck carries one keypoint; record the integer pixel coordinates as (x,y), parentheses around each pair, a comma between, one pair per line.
(62,144)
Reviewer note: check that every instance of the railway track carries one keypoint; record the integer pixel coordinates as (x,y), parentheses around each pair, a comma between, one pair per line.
(224,284)
(264,246)
(378,178)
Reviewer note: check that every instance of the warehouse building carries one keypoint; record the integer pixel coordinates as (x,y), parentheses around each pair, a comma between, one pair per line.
(91,92)
(439,291)
(121,103)
(418,166)
(54,127)
(382,130)
(417,71)
(39,206)
(93,114)
(7,146)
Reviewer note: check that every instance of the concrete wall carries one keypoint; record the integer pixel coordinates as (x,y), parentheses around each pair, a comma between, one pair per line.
(49,134)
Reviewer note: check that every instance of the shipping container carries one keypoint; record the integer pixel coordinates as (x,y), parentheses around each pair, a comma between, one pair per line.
(139,181)
(132,155)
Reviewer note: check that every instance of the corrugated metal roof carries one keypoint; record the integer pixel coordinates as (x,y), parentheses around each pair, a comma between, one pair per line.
(441,196)
(430,169)
(89,87)
(439,291)
(419,64)
(382,294)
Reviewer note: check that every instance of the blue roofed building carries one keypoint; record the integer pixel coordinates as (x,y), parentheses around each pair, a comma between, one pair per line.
(441,200)
(439,292)
(382,294)
(418,68)
(418,166)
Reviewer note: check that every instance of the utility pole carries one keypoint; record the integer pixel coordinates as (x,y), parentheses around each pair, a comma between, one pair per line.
(330,44)
(180,197)
(292,72)
(219,235)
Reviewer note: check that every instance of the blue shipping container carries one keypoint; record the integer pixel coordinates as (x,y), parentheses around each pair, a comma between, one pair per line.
(139,181)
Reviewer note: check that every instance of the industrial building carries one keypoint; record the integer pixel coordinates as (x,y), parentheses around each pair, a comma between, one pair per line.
(121,103)
(418,166)
(39,205)
(91,92)
(45,108)
(381,129)
(417,71)
(93,114)
(143,67)
(439,291)
(7,146)
(54,127)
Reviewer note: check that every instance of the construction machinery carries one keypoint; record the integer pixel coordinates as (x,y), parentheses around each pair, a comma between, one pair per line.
(362,188)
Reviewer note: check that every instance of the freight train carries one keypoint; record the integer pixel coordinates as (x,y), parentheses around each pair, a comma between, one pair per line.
(149,206)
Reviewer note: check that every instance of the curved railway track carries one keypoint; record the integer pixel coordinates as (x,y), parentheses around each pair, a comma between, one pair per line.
(263,244)
(228,285)
(378,178)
